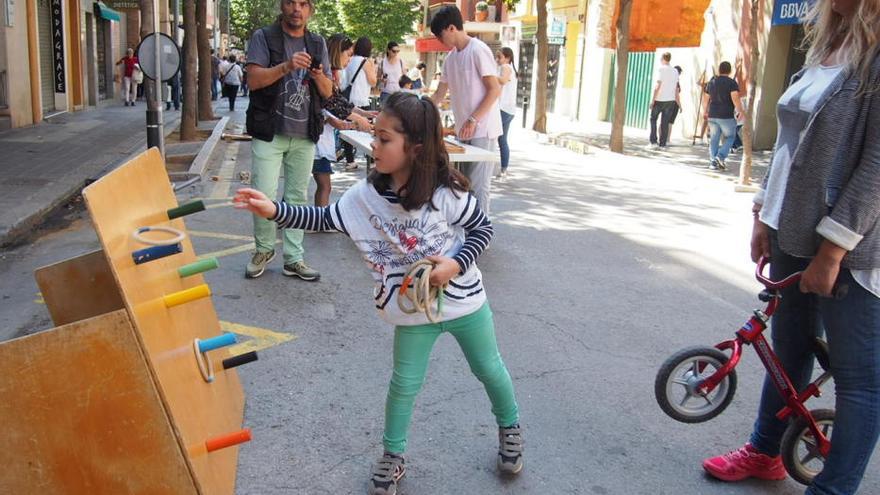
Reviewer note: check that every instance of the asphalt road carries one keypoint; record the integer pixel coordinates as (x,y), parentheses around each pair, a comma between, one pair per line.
(602,266)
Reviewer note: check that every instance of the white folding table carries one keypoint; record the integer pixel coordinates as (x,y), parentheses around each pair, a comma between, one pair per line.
(361,140)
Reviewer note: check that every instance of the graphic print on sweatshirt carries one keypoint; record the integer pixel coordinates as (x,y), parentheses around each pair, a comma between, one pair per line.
(295,97)
(391,239)
(408,241)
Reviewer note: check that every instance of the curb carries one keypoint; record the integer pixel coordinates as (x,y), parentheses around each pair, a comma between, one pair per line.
(200,163)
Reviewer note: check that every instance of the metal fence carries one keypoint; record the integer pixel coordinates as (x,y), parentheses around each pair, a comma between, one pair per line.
(639,79)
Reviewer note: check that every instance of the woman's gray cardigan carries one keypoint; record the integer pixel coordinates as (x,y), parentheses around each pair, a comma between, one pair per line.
(833,189)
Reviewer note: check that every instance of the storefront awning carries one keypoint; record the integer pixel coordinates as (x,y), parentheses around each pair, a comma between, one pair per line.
(106,12)
(430,44)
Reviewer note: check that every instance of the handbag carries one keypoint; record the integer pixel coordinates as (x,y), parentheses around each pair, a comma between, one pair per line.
(338,105)
(137,74)
(346,93)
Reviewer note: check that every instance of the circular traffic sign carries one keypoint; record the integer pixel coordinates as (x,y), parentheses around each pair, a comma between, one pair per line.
(169,56)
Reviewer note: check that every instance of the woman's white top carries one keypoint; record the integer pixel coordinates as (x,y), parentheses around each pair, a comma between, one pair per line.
(507,101)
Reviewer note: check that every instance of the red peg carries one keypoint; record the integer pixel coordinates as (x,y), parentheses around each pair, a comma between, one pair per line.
(228,440)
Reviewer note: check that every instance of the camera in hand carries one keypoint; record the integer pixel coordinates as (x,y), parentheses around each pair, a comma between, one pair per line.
(316,63)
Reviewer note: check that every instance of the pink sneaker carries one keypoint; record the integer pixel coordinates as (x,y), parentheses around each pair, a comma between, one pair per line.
(745,462)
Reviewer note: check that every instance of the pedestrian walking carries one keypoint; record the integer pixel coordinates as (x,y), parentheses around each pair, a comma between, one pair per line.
(288,76)
(244,81)
(663,101)
(231,78)
(390,70)
(506,103)
(471,77)
(413,208)
(129,85)
(817,212)
(721,108)
(360,77)
(215,75)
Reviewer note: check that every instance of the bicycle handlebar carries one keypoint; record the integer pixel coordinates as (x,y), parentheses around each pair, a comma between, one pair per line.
(770,284)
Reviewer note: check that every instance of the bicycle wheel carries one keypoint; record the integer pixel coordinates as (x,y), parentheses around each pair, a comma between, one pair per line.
(800,450)
(679,378)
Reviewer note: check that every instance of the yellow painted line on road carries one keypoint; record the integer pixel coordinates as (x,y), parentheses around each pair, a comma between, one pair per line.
(261,337)
(227,252)
(226,203)
(220,235)
(39,299)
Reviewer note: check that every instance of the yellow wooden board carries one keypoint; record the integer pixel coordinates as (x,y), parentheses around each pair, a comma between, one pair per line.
(81,414)
(135,195)
(79,288)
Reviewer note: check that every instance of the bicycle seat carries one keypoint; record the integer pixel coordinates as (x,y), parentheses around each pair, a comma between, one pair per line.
(820,349)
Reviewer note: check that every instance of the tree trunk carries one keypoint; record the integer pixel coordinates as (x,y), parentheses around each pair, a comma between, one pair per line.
(189,115)
(745,169)
(616,142)
(146,30)
(540,124)
(206,110)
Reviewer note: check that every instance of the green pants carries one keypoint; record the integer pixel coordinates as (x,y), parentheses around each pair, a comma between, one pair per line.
(296,155)
(475,334)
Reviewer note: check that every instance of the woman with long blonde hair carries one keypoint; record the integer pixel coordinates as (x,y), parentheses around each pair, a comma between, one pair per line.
(817,212)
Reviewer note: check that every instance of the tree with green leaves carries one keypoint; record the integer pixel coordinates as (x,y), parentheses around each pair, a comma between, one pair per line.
(380,20)
(326,20)
(246,16)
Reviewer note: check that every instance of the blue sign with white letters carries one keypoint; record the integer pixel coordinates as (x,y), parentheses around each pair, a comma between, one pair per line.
(789,12)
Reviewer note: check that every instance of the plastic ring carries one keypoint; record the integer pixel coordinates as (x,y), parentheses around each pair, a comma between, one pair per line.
(206,367)
(178,236)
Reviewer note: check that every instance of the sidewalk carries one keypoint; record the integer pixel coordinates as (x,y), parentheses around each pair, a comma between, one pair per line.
(46,165)
(583,138)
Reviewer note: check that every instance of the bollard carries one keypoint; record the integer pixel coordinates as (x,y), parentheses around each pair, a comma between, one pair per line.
(188,295)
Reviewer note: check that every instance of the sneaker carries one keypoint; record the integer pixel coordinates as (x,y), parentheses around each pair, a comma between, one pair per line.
(510,449)
(387,471)
(301,270)
(351,166)
(712,166)
(745,462)
(653,146)
(258,263)
(720,163)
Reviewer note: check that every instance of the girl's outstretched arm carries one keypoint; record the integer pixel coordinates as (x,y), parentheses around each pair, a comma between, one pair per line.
(254,201)
(316,218)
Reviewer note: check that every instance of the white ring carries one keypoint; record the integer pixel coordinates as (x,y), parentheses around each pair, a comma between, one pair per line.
(178,236)
(206,367)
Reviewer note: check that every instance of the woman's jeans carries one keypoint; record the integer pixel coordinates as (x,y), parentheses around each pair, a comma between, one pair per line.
(717,129)
(506,119)
(475,334)
(852,324)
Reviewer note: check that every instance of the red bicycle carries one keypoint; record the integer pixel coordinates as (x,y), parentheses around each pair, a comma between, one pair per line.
(696,384)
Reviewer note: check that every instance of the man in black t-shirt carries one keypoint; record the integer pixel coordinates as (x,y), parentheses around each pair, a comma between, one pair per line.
(721,105)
